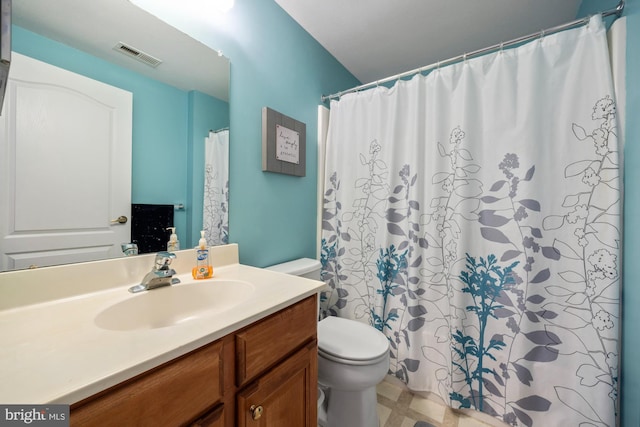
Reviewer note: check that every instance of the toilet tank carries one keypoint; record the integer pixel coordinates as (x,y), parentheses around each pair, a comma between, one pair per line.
(304,267)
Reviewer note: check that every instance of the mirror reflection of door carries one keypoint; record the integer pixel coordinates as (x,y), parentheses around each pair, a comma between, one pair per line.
(65,151)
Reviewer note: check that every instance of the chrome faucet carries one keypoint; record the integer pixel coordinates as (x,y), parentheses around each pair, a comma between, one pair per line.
(160,275)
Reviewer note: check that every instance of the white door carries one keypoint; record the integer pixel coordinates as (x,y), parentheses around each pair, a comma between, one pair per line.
(65,167)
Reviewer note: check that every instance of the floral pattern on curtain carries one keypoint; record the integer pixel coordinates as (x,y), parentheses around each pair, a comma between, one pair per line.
(215,215)
(473,216)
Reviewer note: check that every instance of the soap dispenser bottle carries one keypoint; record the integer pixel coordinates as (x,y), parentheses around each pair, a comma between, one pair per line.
(173,244)
(202,269)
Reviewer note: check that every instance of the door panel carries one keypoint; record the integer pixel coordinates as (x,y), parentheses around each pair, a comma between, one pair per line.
(66,167)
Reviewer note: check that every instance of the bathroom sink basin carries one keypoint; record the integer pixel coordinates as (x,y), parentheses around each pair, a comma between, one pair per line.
(171,305)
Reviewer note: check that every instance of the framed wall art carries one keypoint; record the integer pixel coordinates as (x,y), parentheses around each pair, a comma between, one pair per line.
(284,146)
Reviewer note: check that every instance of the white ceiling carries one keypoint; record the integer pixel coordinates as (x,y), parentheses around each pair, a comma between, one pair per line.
(96,26)
(375,39)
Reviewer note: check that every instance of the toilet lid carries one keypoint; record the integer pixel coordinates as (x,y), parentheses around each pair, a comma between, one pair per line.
(350,340)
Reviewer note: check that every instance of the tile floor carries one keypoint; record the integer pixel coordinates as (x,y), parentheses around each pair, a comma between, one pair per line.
(400,408)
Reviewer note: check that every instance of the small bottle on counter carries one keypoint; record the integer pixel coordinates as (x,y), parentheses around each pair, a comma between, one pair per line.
(173,244)
(203,269)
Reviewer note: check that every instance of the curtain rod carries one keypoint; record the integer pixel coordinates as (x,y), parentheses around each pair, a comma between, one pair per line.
(615,11)
(219,130)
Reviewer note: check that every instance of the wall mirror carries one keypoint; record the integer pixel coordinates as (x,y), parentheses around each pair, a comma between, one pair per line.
(177,104)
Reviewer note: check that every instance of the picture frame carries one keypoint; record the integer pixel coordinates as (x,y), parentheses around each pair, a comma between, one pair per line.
(283,144)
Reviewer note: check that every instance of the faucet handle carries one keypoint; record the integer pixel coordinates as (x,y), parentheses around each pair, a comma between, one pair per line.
(163,260)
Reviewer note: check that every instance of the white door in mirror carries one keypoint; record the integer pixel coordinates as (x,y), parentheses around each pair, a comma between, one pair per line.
(65,151)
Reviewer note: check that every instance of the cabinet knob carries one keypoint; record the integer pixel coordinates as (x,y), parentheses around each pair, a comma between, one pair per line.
(256,411)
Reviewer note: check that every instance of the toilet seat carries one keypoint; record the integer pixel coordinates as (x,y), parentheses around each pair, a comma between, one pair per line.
(351,342)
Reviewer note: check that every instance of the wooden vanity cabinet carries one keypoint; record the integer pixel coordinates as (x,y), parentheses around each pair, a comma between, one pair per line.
(262,375)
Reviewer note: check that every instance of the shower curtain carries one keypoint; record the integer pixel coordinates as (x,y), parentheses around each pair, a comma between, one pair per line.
(215,215)
(473,216)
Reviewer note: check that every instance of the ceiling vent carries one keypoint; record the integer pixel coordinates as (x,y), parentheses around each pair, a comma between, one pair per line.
(137,54)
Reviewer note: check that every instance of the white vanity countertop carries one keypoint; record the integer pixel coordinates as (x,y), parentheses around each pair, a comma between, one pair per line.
(53,351)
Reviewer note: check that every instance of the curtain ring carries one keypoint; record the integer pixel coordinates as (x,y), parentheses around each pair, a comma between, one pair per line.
(541,35)
(501,47)
(464,57)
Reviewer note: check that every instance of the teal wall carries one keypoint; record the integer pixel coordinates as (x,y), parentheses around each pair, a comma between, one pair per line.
(275,64)
(630,371)
(166,122)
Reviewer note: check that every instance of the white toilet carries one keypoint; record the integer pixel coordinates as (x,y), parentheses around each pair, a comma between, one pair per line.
(352,359)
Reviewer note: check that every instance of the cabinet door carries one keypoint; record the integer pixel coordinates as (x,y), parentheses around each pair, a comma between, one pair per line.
(284,396)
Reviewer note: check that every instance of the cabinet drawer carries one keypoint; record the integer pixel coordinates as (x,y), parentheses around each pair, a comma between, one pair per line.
(193,383)
(260,346)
